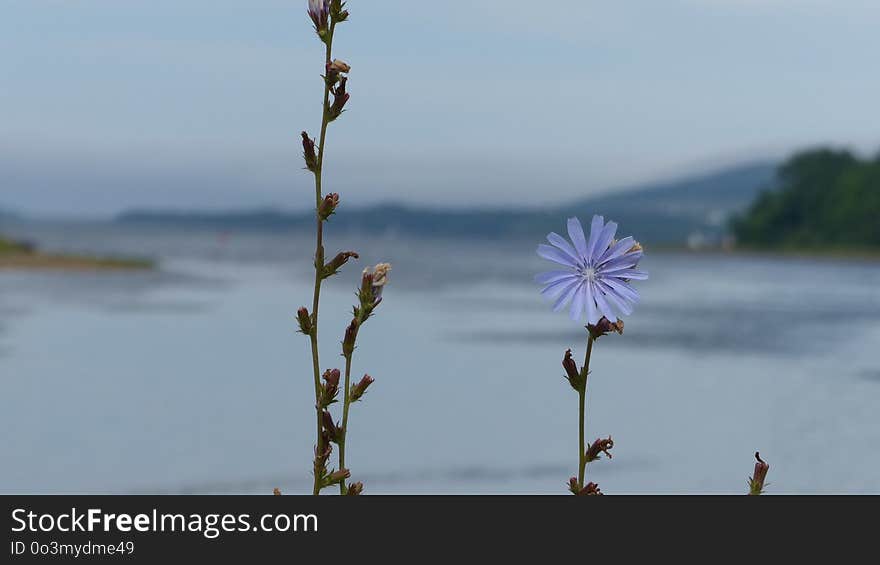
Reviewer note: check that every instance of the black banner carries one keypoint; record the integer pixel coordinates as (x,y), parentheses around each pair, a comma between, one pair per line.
(156,529)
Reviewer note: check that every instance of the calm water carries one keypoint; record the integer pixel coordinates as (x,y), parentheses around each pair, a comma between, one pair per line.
(192,378)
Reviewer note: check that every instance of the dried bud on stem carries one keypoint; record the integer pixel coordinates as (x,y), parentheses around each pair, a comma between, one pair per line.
(328,206)
(337,477)
(589,489)
(340,98)
(337,262)
(358,389)
(350,338)
(571,371)
(604,327)
(756,481)
(333,430)
(599,447)
(322,456)
(330,388)
(355,489)
(305,321)
(309,155)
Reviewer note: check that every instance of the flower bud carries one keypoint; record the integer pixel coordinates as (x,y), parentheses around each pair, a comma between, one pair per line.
(597,448)
(319,12)
(321,456)
(605,326)
(340,98)
(350,338)
(571,371)
(358,390)
(334,432)
(337,477)
(355,489)
(309,155)
(338,13)
(338,66)
(305,321)
(330,388)
(590,489)
(756,481)
(337,262)
(328,205)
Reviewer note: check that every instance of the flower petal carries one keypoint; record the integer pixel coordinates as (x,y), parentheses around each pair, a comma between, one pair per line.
(556,287)
(565,296)
(631,274)
(577,304)
(555,255)
(595,230)
(603,305)
(617,249)
(593,315)
(622,288)
(625,261)
(552,276)
(559,242)
(616,300)
(604,240)
(576,233)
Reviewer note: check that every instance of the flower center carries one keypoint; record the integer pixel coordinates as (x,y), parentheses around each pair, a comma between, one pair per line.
(589,273)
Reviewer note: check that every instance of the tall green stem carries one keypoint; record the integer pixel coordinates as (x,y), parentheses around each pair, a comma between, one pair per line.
(319,254)
(346,403)
(582,393)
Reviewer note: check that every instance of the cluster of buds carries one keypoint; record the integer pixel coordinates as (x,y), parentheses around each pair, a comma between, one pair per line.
(333,431)
(360,388)
(576,377)
(333,266)
(309,154)
(330,388)
(328,206)
(355,489)
(599,447)
(756,481)
(604,327)
(338,13)
(304,320)
(588,490)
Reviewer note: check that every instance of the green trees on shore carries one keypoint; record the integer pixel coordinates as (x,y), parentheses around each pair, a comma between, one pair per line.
(823,199)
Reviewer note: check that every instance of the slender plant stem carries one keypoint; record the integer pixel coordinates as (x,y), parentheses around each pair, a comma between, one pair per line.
(582,454)
(319,256)
(345,405)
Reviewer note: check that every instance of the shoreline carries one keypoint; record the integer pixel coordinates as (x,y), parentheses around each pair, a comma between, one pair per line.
(70,263)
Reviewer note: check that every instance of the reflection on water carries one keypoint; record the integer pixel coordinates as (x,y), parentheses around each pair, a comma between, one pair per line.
(192,378)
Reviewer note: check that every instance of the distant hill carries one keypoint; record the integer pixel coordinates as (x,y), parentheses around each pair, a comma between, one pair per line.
(824,199)
(665,213)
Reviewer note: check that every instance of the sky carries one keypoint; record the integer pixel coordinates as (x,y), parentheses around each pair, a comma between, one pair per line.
(107,105)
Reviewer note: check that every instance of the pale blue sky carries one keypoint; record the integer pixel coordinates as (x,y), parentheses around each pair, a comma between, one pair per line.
(108,104)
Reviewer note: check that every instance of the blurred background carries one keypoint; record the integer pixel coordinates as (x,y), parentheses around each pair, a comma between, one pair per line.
(155,242)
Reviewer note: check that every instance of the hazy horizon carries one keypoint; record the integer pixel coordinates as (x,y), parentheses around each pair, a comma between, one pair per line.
(108,106)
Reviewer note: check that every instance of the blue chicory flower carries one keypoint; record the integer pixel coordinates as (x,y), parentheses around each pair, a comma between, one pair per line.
(597,271)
